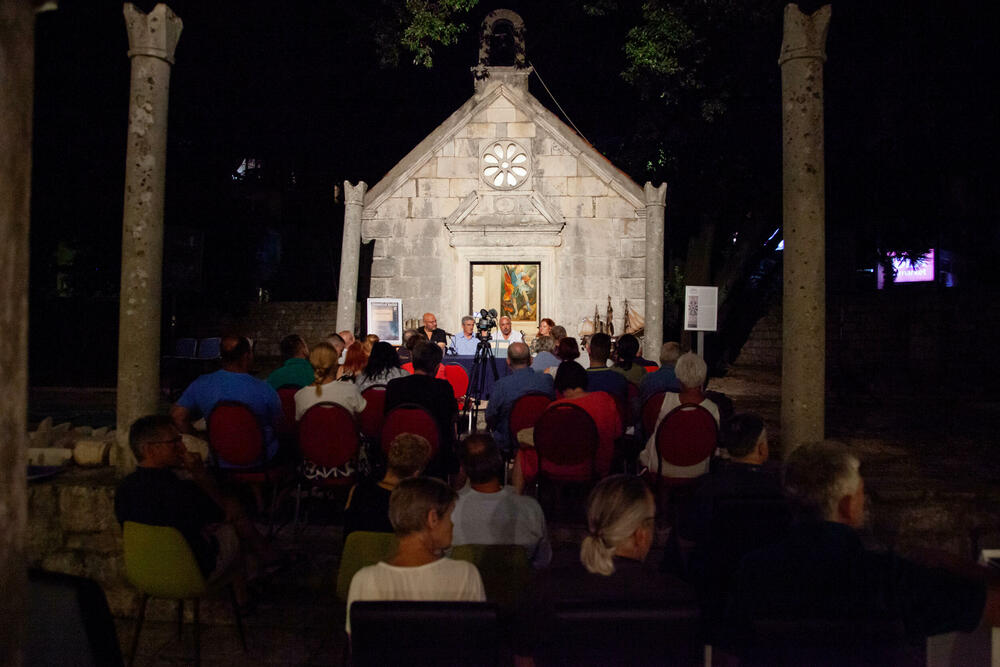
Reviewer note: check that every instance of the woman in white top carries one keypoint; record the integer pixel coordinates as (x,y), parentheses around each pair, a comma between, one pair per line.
(691,372)
(382,366)
(420,512)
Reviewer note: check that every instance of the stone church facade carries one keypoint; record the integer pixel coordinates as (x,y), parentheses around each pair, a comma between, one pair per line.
(504,180)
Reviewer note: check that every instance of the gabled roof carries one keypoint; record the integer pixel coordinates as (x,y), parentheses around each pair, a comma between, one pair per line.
(576,146)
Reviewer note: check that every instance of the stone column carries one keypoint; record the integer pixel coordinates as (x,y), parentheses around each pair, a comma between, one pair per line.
(17,70)
(350,255)
(803,372)
(656,199)
(152,39)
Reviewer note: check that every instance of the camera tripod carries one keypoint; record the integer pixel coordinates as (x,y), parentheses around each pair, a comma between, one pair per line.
(477,380)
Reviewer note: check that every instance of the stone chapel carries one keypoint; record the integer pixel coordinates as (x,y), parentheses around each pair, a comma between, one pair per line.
(504,191)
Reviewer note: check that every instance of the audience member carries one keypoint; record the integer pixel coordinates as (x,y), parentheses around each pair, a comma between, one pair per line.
(823,571)
(437,336)
(296,370)
(627,365)
(232,382)
(348,339)
(662,379)
(369,341)
(544,358)
(691,373)
(568,349)
(601,377)
(383,366)
(420,512)
(571,381)
(505,392)
(465,343)
(436,395)
(558,332)
(213,524)
(410,337)
(487,512)
(355,361)
(337,342)
(367,505)
(645,363)
(612,566)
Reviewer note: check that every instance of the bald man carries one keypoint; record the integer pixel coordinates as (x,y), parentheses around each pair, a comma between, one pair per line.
(434,334)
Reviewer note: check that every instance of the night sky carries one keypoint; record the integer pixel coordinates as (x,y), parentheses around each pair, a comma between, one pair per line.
(911,126)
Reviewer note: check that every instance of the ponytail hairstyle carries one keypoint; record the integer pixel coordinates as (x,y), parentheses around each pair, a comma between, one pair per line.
(616,508)
(628,349)
(323,358)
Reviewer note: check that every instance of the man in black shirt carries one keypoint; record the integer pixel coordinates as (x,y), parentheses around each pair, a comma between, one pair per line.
(430,331)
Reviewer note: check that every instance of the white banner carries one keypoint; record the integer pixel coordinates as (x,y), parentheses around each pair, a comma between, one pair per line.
(701,308)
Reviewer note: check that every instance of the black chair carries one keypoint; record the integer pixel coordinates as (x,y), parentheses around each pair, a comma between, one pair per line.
(819,642)
(69,622)
(623,633)
(425,633)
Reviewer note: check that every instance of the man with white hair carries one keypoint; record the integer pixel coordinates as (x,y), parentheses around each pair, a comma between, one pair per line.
(505,336)
(691,373)
(466,342)
(821,571)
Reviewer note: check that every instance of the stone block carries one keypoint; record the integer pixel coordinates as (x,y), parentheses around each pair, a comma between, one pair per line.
(467,148)
(520,130)
(635,228)
(461,187)
(635,287)
(500,114)
(384,268)
(48,456)
(501,102)
(432,187)
(633,248)
(477,130)
(379,287)
(586,186)
(407,189)
(85,509)
(447,149)
(433,207)
(614,207)
(457,167)
(420,267)
(555,165)
(394,208)
(552,186)
(379,229)
(424,227)
(91,452)
(521,117)
(576,207)
(427,170)
(630,268)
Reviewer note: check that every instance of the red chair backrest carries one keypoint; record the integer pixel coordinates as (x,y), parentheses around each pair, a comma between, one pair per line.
(566,435)
(440,375)
(408,367)
(410,418)
(650,411)
(234,434)
(286,393)
(373,415)
(651,368)
(457,378)
(328,436)
(525,413)
(686,436)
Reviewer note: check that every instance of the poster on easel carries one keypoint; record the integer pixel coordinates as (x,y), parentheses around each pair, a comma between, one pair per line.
(385,320)
(701,308)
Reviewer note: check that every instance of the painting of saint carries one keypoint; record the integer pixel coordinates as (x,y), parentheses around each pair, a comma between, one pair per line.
(519,292)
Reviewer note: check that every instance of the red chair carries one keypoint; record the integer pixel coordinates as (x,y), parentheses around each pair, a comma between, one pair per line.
(525,413)
(440,375)
(566,437)
(329,438)
(687,435)
(651,369)
(650,412)
(459,381)
(371,418)
(289,428)
(410,418)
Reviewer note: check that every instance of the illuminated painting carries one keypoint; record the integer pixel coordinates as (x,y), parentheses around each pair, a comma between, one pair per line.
(519,291)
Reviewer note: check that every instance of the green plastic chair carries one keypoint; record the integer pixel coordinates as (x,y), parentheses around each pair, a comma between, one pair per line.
(504,568)
(160,564)
(362,548)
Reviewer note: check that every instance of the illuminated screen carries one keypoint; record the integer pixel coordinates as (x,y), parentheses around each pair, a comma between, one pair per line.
(920,272)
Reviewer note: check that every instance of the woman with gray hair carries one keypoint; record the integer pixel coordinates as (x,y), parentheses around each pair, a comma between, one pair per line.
(692,373)
(620,516)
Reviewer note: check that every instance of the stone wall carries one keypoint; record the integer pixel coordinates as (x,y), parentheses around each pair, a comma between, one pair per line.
(268,323)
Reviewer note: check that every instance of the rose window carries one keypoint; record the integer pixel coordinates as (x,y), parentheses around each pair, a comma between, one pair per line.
(505,165)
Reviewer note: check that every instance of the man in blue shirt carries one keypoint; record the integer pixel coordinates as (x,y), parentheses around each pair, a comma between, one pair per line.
(662,379)
(466,342)
(507,390)
(232,383)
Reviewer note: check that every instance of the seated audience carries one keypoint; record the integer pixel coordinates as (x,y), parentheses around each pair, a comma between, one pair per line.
(558,332)
(601,377)
(383,366)
(296,370)
(487,512)
(620,531)
(567,350)
(213,524)
(355,361)
(367,505)
(232,382)
(348,339)
(420,512)
(663,378)
(544,358)
(325,390)
(337,342)
(410,338)
(505,392)
(423,388)
(691,373)
(465,342)
(645,363)
(571,380)
(823,571)
(627,364)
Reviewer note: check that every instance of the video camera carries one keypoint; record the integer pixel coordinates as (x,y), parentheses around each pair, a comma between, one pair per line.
(487,321)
